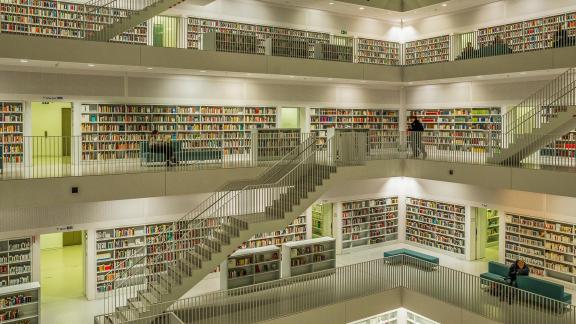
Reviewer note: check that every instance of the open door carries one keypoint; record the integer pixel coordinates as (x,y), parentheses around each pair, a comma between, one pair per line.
(485,234)
(51,141)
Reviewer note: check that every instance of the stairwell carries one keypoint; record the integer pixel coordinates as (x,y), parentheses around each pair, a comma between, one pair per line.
(539,120)
(226,220)
(137,12)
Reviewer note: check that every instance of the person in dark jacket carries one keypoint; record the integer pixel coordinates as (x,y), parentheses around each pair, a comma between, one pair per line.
(561,38)
(518,268)
(416,129)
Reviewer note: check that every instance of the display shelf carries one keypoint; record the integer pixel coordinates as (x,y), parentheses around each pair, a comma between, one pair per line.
(436,224)
(296,231)
(461,129)
(430,50)
(20,304)
(308,256)
(15,261)
(11,132)
(547,246)
(247,267)
(369,221)
(282,37)
(273,144)
(142,245)
(373,51)
(382,124)
(492,227)
(114,131)
(61,19)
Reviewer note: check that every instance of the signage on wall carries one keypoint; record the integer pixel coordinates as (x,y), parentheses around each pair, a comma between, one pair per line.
(53,98)
(65,228)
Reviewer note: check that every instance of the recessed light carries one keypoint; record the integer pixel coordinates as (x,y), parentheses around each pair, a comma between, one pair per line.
(149,68)
(23,61)
(203,71)
(444,5)
(91,65)
(361,8)
(331,3)
(292,77)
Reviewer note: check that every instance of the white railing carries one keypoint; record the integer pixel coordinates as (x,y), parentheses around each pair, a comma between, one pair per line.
(493,301)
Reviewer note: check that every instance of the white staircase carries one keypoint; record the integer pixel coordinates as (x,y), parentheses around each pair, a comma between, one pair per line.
(137,12)
(539,120)
(195,245)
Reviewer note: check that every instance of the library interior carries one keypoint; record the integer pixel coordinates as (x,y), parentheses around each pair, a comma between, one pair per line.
(302,161)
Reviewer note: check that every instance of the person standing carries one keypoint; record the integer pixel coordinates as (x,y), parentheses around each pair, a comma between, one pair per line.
(416,130)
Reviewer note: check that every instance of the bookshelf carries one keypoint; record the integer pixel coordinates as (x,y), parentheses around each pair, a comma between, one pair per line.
(565,146)
(61,19)
(121,247)
(20,304)
(492,227)
(429,50)
(308,256)
(369,221)
(546,245)
(333,52)
(461,129)
(373,51)
(287,47)
(250,267)
(233,43)
(436,224)
(283,36)
(296,231)
(273,144)
(15,261)
(113,131)
(11,131)
(533,34)
(382,124)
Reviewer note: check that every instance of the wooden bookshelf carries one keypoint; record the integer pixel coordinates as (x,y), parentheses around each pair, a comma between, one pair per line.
(248,267)
(308,256)
(11,131)
(369,221)
(429,50)
(436,224)
(296,231)
(382,124)
(547,246)
(199,26)
(114,131)
(20,304)
(15,261)
(373,51)
(121,247)
(61,19)
(273,144)
(461,129)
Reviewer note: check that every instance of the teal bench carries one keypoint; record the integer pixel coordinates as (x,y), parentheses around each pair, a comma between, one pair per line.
(497,272)
(413,254)
(544,288)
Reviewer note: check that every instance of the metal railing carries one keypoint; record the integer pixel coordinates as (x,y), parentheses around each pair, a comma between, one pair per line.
(98,15)
(541,107)
(237,204)
(284,297)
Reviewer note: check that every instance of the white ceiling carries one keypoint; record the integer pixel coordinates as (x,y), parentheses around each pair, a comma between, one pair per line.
(388,15)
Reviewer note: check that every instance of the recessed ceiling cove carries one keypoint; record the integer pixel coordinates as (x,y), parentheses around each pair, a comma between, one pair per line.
(394,5)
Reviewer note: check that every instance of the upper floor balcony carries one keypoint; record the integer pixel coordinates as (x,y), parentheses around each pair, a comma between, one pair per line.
(194,43)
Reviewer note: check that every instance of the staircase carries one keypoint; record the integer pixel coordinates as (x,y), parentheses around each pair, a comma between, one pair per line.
(133,13)
(195,245)
(539,120)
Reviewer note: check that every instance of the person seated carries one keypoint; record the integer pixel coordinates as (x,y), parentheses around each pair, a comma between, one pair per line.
(518,268)
(499,46)
(162,145)
(467,52)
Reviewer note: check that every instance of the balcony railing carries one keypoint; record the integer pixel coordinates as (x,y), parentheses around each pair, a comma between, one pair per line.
(50,157)
(78,21)
(284,297)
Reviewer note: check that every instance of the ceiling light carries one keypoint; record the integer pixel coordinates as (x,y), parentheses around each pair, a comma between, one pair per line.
(149,68)
(292,77)
(23,61)
(91,65)
(444,5)
(203,71)
(361,8)
(331,3)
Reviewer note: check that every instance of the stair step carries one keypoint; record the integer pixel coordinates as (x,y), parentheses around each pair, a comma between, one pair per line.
(160,289)
(204,251)
(114,318)
(148,296)
(127,313)
(136,303)
(222,236)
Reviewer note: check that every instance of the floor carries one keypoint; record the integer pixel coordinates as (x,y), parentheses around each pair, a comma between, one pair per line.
(63,305)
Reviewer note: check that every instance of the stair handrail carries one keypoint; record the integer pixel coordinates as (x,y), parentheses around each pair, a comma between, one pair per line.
(530,113)
(223,193)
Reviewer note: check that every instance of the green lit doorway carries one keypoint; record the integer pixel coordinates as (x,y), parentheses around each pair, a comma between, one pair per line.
(322,224)
(486,230)
(289,117)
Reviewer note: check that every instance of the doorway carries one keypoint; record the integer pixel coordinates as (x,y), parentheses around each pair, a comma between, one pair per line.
(322,220)
(62,260)
(487,234)
(289,117)
(51,141)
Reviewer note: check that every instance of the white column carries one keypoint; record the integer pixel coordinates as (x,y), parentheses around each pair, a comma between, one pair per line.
(90,264)
(401,217)
(183,34)
(337,225)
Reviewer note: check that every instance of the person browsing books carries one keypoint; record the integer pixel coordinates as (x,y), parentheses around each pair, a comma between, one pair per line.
(416,130)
